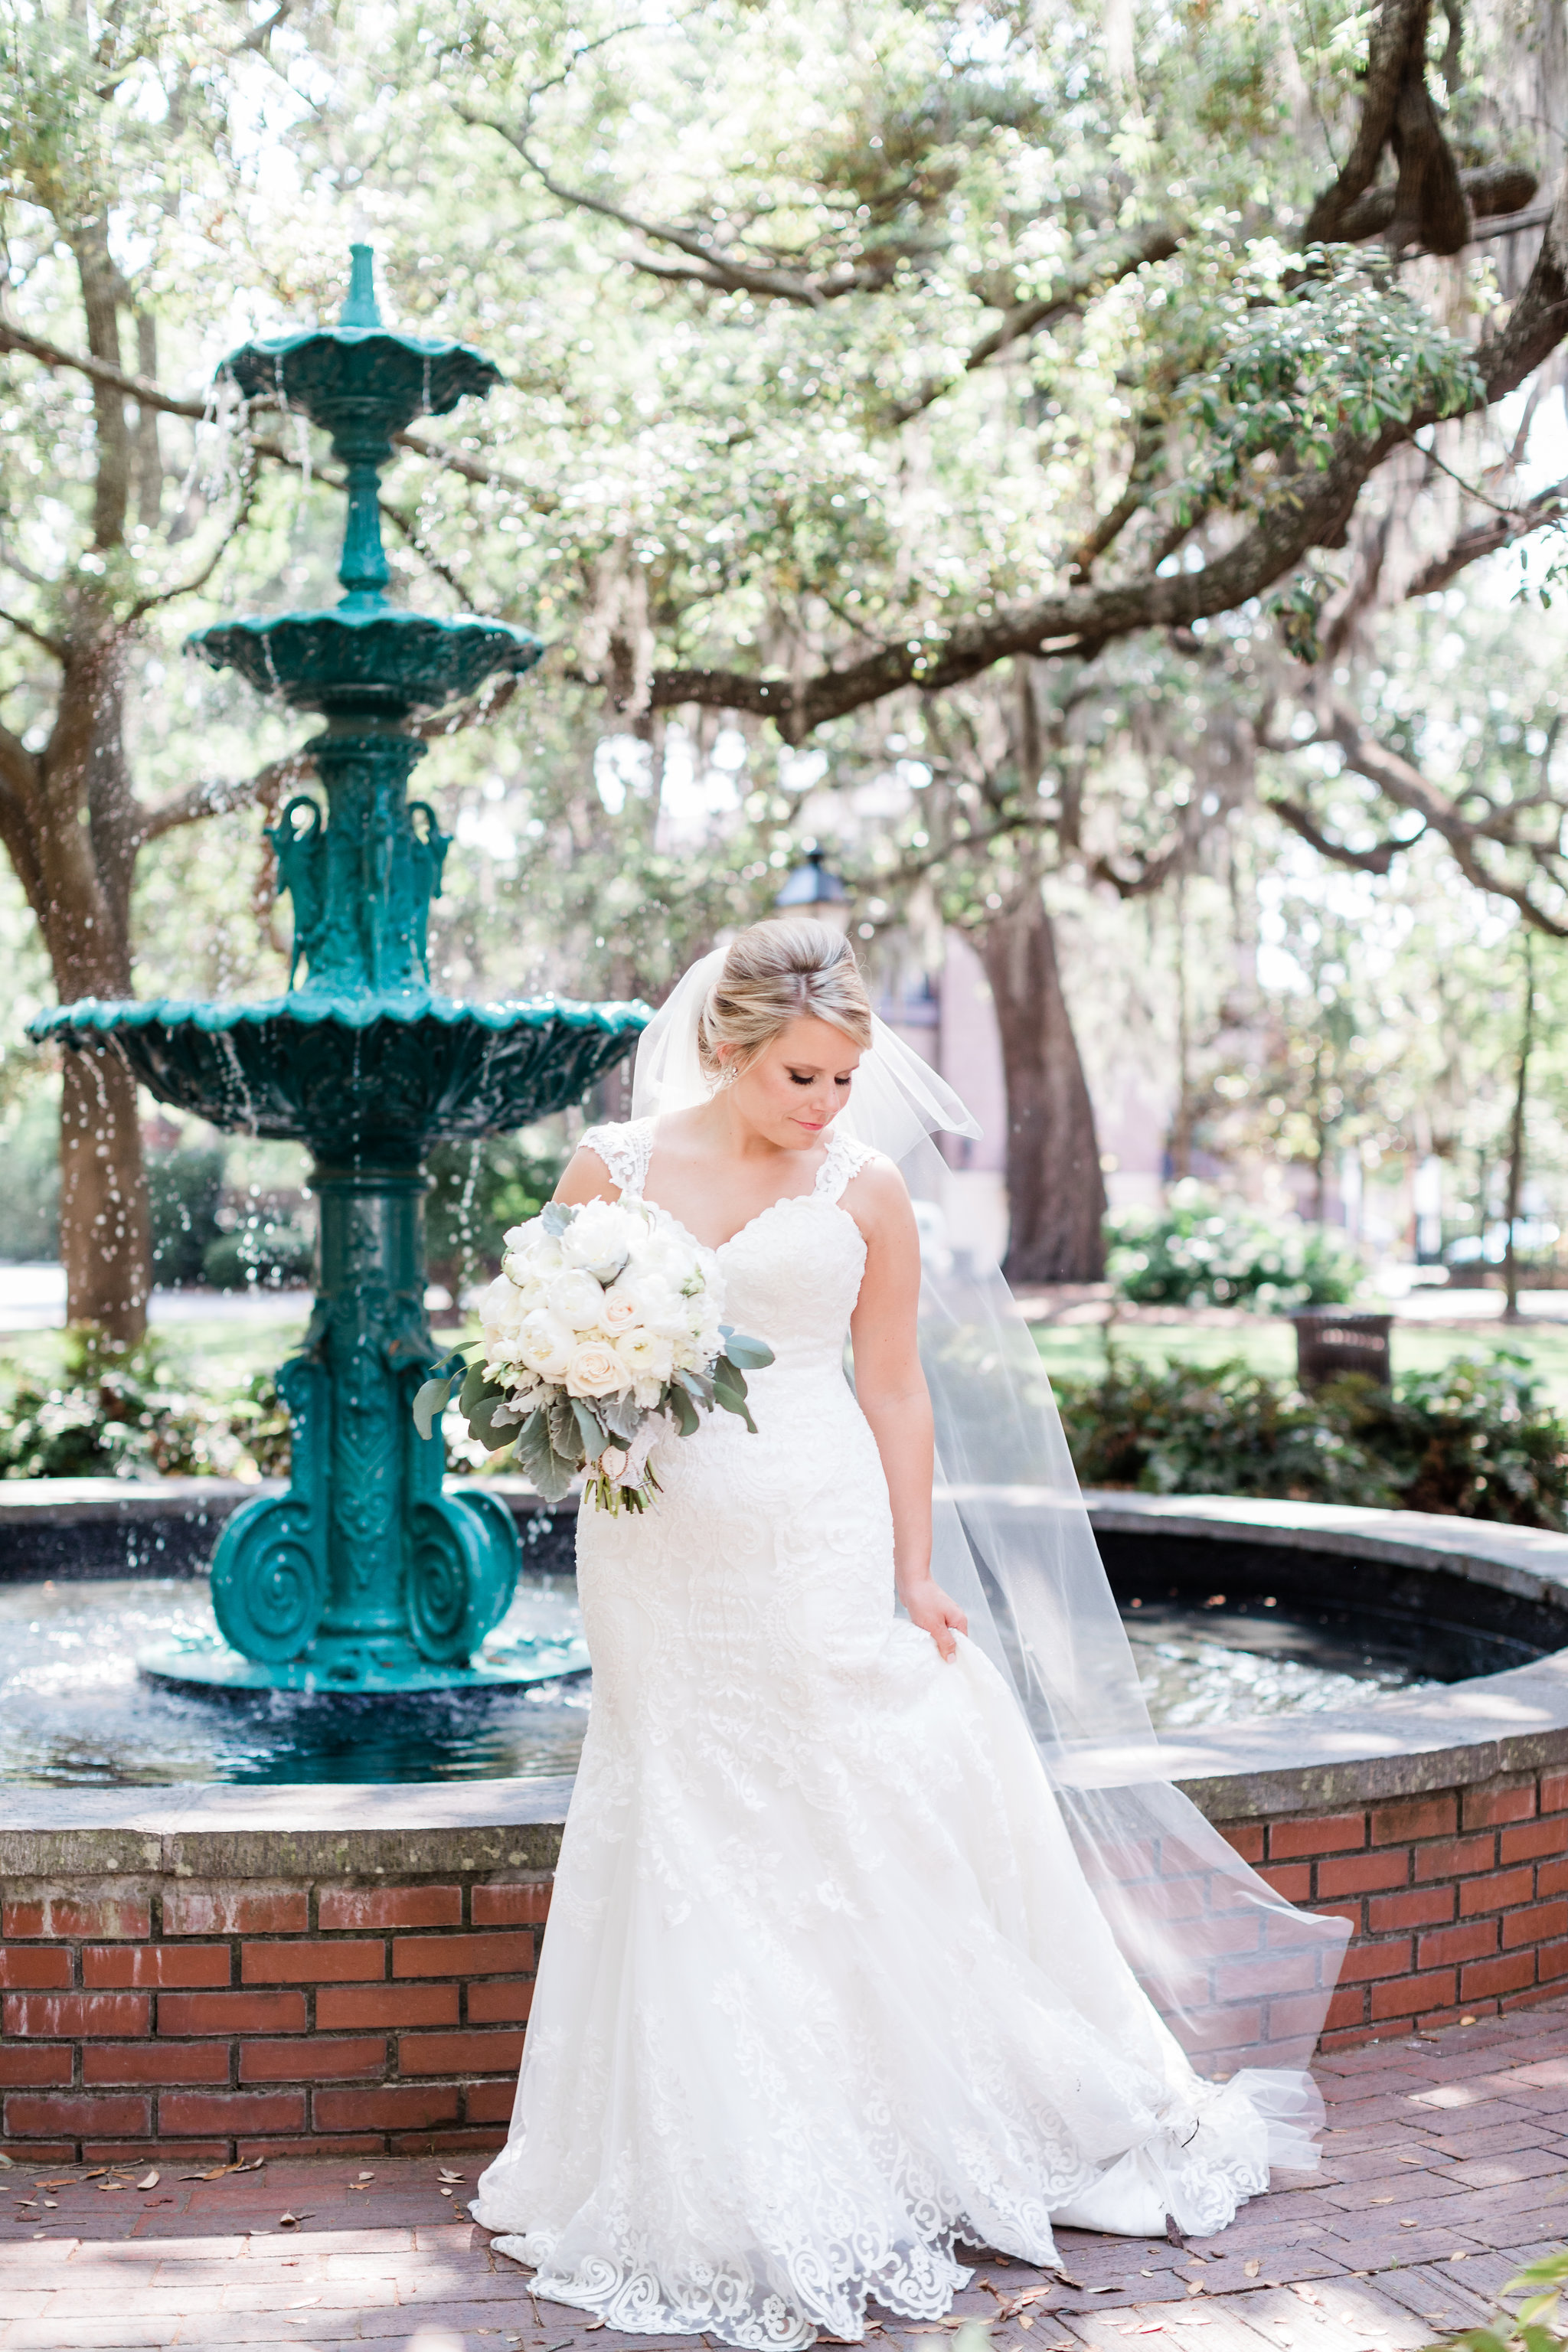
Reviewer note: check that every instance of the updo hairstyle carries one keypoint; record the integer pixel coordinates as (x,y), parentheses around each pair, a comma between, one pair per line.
(774,973)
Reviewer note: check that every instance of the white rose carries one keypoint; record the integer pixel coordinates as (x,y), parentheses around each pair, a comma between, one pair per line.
(574,1298)
(648,1394)
(647,1357)
(598,1239)
(595,1369)
(618,1307)
(545,1346)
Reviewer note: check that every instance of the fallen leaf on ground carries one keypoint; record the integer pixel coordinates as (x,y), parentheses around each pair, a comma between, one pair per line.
(1467,2021)
(1458,2258)
(442,2174)
(292,2220)
(1253,2267)
(1410,2222)
(367,2176)
(1410,2155)
(446,2192)
(1383,2201)
(149,2181)
(1195,2287)
(302,2300)
(1305,2293)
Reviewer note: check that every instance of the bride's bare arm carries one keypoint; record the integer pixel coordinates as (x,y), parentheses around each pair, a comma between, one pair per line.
(586,1178)
(892,1390)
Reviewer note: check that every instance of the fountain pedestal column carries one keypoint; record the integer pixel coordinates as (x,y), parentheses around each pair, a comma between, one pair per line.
(364,1575)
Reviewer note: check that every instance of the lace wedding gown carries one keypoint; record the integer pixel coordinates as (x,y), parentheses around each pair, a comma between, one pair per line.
(824,1993)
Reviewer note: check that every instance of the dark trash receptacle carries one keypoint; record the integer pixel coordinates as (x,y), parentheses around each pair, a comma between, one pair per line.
(1331,1342)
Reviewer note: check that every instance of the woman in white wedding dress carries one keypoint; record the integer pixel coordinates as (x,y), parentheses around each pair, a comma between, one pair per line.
(825,1994)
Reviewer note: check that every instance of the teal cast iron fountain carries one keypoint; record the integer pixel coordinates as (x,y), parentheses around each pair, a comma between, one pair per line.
(364,1576)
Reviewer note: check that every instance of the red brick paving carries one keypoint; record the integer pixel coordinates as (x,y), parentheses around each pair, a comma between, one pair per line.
(1446,2168)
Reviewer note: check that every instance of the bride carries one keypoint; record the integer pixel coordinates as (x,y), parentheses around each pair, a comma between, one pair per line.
(877,1930)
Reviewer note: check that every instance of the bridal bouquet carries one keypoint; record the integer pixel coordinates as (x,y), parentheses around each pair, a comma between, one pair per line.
(600,1335)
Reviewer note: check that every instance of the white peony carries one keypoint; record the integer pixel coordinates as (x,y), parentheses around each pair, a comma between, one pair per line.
(599,1239)
(595,1369)
(647,1356)
(545,1345)
(575,1299)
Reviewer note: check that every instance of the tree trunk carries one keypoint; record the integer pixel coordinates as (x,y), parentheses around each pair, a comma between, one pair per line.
(104,1239)
(86,850)
(1516,1134)
(1055,1189)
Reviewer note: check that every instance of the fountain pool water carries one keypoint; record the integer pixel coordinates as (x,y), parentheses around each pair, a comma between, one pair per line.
(1297,1633)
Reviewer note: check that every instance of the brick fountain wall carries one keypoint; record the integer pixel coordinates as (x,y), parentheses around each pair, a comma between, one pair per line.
(1457,1899)
(226,2016)
(221,2019)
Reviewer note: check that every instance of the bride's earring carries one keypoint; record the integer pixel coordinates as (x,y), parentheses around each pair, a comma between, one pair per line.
(726,1077)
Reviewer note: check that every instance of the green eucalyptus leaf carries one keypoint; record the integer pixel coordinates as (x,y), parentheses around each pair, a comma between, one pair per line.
(746,1354)
(687,1419)
(430,1403)
(482,1423)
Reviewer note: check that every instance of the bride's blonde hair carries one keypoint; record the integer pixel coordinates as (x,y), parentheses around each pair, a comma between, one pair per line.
(774,973)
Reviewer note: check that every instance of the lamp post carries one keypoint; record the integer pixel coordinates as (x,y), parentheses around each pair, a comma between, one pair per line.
(816,890)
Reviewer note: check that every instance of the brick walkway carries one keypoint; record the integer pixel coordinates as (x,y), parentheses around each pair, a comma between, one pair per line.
(1454,2146)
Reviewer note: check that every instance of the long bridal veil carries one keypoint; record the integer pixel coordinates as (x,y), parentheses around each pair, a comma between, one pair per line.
(1243,1978)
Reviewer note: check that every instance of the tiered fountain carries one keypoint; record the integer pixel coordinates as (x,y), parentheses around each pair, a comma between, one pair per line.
(365,1576)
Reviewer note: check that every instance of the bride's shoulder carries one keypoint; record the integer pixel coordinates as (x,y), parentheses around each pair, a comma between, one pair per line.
(615,1148)
(864,1179)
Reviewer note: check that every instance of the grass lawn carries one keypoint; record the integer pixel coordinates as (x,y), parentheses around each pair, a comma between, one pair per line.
(207,1351)
(1267,1344)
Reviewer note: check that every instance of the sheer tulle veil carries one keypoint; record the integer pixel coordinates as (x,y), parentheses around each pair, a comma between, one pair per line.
(1243,1978)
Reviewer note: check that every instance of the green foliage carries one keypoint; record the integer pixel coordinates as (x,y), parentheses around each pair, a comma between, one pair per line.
(1474,1441)
(1201,1250)
(117,1413)
(478,1192)
(184,1189)
(1537,2326)
(30,1201)
(262,1252)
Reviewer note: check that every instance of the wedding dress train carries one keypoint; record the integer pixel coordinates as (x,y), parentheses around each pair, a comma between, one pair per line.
(825,1993)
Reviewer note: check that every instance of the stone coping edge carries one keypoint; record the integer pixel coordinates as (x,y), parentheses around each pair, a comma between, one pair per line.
(1460,1736)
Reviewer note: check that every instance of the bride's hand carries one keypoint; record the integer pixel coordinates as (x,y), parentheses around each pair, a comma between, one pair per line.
(930,1609)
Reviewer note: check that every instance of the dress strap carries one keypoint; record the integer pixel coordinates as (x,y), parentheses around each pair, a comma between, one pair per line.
(626,1150)
(845,1159)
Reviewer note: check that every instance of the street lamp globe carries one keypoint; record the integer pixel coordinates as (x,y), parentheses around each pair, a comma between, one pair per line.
(814,889)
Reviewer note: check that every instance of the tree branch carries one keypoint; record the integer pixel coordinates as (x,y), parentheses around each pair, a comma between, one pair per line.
(1485,539)
(1298,817)
(1311,510)
(39,636)
(217,799)
(134,387)
(1021,319)
(726,273)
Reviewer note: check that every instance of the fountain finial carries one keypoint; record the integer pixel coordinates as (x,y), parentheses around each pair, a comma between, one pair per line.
(360,306)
